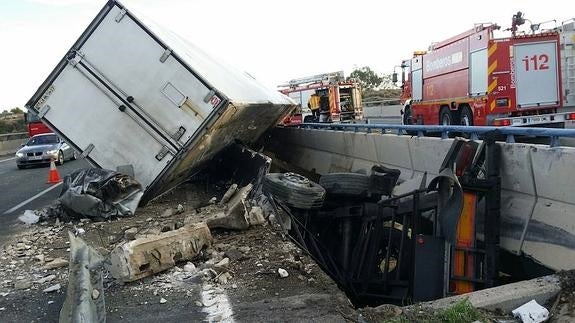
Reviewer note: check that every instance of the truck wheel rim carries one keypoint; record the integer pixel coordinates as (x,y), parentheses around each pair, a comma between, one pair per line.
(296,179)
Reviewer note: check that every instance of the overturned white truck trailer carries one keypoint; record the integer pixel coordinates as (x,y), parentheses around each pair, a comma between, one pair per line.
(133,97)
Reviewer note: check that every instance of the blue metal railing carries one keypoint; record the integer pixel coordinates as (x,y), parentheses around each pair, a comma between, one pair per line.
(474,132)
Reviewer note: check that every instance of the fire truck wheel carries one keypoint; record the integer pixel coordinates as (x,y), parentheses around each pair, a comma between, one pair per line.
(466,117)
(294,190)
(350,184)
(445,117)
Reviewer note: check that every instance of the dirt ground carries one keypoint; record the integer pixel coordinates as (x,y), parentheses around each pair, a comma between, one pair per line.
(248,289)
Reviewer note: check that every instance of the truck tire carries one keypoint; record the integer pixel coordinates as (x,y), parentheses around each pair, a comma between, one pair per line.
(294,190)
(466,117)
(349,184)
(445,117)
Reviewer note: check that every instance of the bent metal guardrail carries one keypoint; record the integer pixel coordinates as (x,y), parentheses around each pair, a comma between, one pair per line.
(474,132)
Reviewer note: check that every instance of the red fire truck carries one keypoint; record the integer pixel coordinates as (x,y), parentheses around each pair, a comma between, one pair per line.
(476,79)
(340,99)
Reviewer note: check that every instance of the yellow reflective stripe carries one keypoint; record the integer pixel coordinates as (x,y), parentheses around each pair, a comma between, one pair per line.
(492,67)
(492,48)
(492,86)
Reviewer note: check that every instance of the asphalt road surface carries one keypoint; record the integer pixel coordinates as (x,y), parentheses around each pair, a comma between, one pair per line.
(27,189)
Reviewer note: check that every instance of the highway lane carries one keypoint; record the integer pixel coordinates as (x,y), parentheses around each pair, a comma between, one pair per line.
(21,185)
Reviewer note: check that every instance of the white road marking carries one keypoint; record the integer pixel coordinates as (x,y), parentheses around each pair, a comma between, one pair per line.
(217,306)
(33,198)
(3,160)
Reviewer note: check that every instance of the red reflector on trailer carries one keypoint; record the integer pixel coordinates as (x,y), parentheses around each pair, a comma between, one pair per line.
(570,116)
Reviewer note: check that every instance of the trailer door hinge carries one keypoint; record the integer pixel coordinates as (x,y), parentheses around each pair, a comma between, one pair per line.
(43,110)
(178,134)
(88,150)
(163,152)
(121,15)
(165,55)
(74,57)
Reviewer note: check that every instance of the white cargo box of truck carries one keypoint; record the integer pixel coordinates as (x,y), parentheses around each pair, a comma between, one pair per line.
(131,96)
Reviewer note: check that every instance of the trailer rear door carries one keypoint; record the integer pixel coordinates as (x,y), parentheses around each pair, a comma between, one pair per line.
(536,73)
(124,99)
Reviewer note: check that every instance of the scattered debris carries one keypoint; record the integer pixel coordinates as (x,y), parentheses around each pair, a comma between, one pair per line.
(256,216)
(229,193)
(152,254)
(179,209)
(53,288)
(79,231)
(283,273)
(83,302)
(224,278)
(163,300)
(130,234)
(167,213)
(46,279)
(56,263)
(190,268)
(22,284)
(29,217)
(223,263)
(531,312)
(235,217)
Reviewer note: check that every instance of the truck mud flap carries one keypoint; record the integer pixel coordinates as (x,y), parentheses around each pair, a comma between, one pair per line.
(450,202)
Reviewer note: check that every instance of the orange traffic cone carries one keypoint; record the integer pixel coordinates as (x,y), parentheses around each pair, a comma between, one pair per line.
(53,176)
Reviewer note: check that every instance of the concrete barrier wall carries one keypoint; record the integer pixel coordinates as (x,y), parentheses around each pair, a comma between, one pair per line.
(390,114)
(10,146)
(537,200)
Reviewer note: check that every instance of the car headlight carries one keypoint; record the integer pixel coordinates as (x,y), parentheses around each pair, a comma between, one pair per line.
(19,154)
(52,152)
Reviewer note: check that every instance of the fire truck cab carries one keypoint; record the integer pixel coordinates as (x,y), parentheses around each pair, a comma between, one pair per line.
(476,79)
(340,100)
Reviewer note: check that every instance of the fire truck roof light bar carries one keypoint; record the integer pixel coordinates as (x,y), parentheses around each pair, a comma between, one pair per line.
(474,132)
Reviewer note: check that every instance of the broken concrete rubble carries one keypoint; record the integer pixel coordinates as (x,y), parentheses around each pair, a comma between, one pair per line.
(235,213)
(229,193)
(283,273)
(130,234)
(152,254)
(56,263)
(239,282)
(53,288)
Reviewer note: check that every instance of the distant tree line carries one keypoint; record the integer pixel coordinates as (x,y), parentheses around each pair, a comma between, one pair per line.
(12,121)
(374,86)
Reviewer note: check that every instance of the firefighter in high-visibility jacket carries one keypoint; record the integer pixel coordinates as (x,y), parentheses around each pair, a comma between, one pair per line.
(313,105)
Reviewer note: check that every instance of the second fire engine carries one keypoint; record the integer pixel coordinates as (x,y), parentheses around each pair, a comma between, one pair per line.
(476,79)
